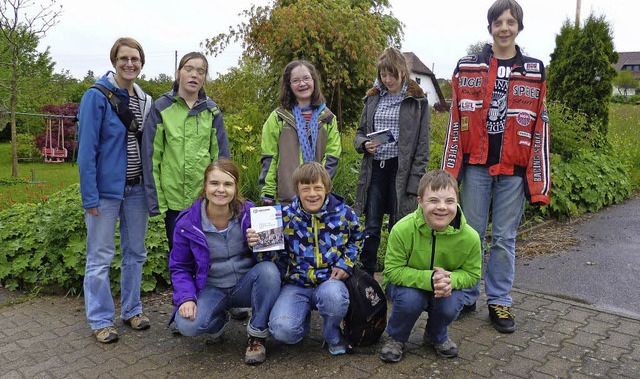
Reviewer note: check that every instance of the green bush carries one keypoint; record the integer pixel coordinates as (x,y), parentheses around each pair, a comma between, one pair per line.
(26,147)
(43,244)
(621,99)
(586,183)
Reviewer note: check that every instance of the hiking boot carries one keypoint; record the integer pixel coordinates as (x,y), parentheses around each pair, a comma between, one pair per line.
(106,335)
(256,351)
(502,318)
(466,309)
(238,313)
(138,322)
(447,349)
(340,348)
(392,351)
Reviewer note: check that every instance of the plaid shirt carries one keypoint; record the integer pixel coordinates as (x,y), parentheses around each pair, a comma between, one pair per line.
(387,116)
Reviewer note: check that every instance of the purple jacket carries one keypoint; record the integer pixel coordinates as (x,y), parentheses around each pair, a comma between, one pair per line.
(189,258)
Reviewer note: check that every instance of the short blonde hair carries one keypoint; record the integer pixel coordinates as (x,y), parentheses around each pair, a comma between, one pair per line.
(436,180)
(309,173)
(128,42)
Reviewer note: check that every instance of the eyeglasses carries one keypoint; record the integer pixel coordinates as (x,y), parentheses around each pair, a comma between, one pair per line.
(125,60)
(200,71)
(297,81)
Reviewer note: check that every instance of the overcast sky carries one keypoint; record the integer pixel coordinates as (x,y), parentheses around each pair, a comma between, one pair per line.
(438,32)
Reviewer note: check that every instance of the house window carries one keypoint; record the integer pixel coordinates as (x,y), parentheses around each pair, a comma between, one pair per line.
(418,80)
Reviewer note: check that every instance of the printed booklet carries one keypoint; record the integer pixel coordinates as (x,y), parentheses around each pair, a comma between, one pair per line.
(267,222)
(383,136)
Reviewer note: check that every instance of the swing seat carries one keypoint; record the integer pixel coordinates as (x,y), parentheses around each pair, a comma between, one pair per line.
(53,155)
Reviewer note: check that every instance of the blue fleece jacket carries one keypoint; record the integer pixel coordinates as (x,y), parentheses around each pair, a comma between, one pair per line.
(102,142)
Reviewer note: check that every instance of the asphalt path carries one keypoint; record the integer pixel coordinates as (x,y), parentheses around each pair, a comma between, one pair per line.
(602,269)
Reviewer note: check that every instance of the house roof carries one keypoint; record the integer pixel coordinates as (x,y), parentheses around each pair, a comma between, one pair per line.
(626,58)
(416,65)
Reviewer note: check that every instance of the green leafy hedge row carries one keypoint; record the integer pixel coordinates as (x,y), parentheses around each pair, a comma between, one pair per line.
(43,244)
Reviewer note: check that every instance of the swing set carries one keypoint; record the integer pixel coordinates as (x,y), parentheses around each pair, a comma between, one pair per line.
(57,153)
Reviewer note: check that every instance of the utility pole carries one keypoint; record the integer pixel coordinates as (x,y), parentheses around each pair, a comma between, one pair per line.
(578,13)
(175,63)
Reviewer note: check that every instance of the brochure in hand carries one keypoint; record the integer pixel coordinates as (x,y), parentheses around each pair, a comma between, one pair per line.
(382,136)
(267,222)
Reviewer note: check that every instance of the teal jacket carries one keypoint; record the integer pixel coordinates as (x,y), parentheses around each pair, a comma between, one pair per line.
(178,144)
(281,153)
(413,249)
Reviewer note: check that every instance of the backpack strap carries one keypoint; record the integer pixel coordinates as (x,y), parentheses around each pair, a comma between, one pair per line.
(124,113)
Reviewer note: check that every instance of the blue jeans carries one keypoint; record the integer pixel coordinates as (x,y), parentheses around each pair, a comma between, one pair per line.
(290,319)
(258,289)
(407,305)
(101,229)
(381,197)
(506,196)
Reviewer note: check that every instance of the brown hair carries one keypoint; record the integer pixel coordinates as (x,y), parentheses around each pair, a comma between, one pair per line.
(128,42)
(309,173)
(394,62)
(496,10)
(286,97)
(228,167)
(186,58)
(436,180)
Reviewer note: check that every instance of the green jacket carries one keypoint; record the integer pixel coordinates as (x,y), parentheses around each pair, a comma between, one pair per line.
(412,245)
(178,144)
(281,153)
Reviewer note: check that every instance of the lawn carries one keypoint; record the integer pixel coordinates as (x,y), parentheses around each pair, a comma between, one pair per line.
(36,181)
(624,136)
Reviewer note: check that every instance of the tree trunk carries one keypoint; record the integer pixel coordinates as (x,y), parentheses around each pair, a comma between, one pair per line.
(12,109)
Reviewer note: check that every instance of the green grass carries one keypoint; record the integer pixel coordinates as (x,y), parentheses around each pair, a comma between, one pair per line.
(47,178)
(624,136)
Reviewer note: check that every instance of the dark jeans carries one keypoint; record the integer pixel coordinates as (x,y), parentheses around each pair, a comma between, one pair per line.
(381,199)
(170,224)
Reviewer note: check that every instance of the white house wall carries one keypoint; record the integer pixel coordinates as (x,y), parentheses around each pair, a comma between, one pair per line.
(427,86)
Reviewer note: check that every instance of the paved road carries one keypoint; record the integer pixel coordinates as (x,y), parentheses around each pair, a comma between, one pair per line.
(603,269)
(595,335)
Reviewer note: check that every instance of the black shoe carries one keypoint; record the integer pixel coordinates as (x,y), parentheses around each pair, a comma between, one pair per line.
(502,318)
(466,309)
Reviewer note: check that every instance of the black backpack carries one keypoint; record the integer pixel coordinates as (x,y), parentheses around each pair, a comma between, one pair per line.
(366,318)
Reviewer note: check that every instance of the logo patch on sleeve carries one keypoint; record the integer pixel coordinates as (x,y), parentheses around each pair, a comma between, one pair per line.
(532,66)
(464,123)
(467,105)
(524,134)
(523,118)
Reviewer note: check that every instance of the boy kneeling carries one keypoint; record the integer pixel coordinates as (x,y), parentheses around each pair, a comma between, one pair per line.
(322,242)
(431,255)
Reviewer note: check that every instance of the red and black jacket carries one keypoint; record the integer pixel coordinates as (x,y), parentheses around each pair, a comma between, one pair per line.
(525,143)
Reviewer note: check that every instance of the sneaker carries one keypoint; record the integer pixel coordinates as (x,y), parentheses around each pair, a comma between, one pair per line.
(256,352)
(138,322)
(340,348)
(466,309)
(392,351)
(447,349)
(502,318)
(238,313)
(106,335)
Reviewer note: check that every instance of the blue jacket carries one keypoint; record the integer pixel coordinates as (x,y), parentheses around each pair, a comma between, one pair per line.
(102,142)
(189,258)
(315,243)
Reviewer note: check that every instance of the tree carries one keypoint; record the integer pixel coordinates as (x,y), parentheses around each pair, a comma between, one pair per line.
(625,81)
(342,38)
(445,87)
(20,31)
(580,73)
(476,48)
